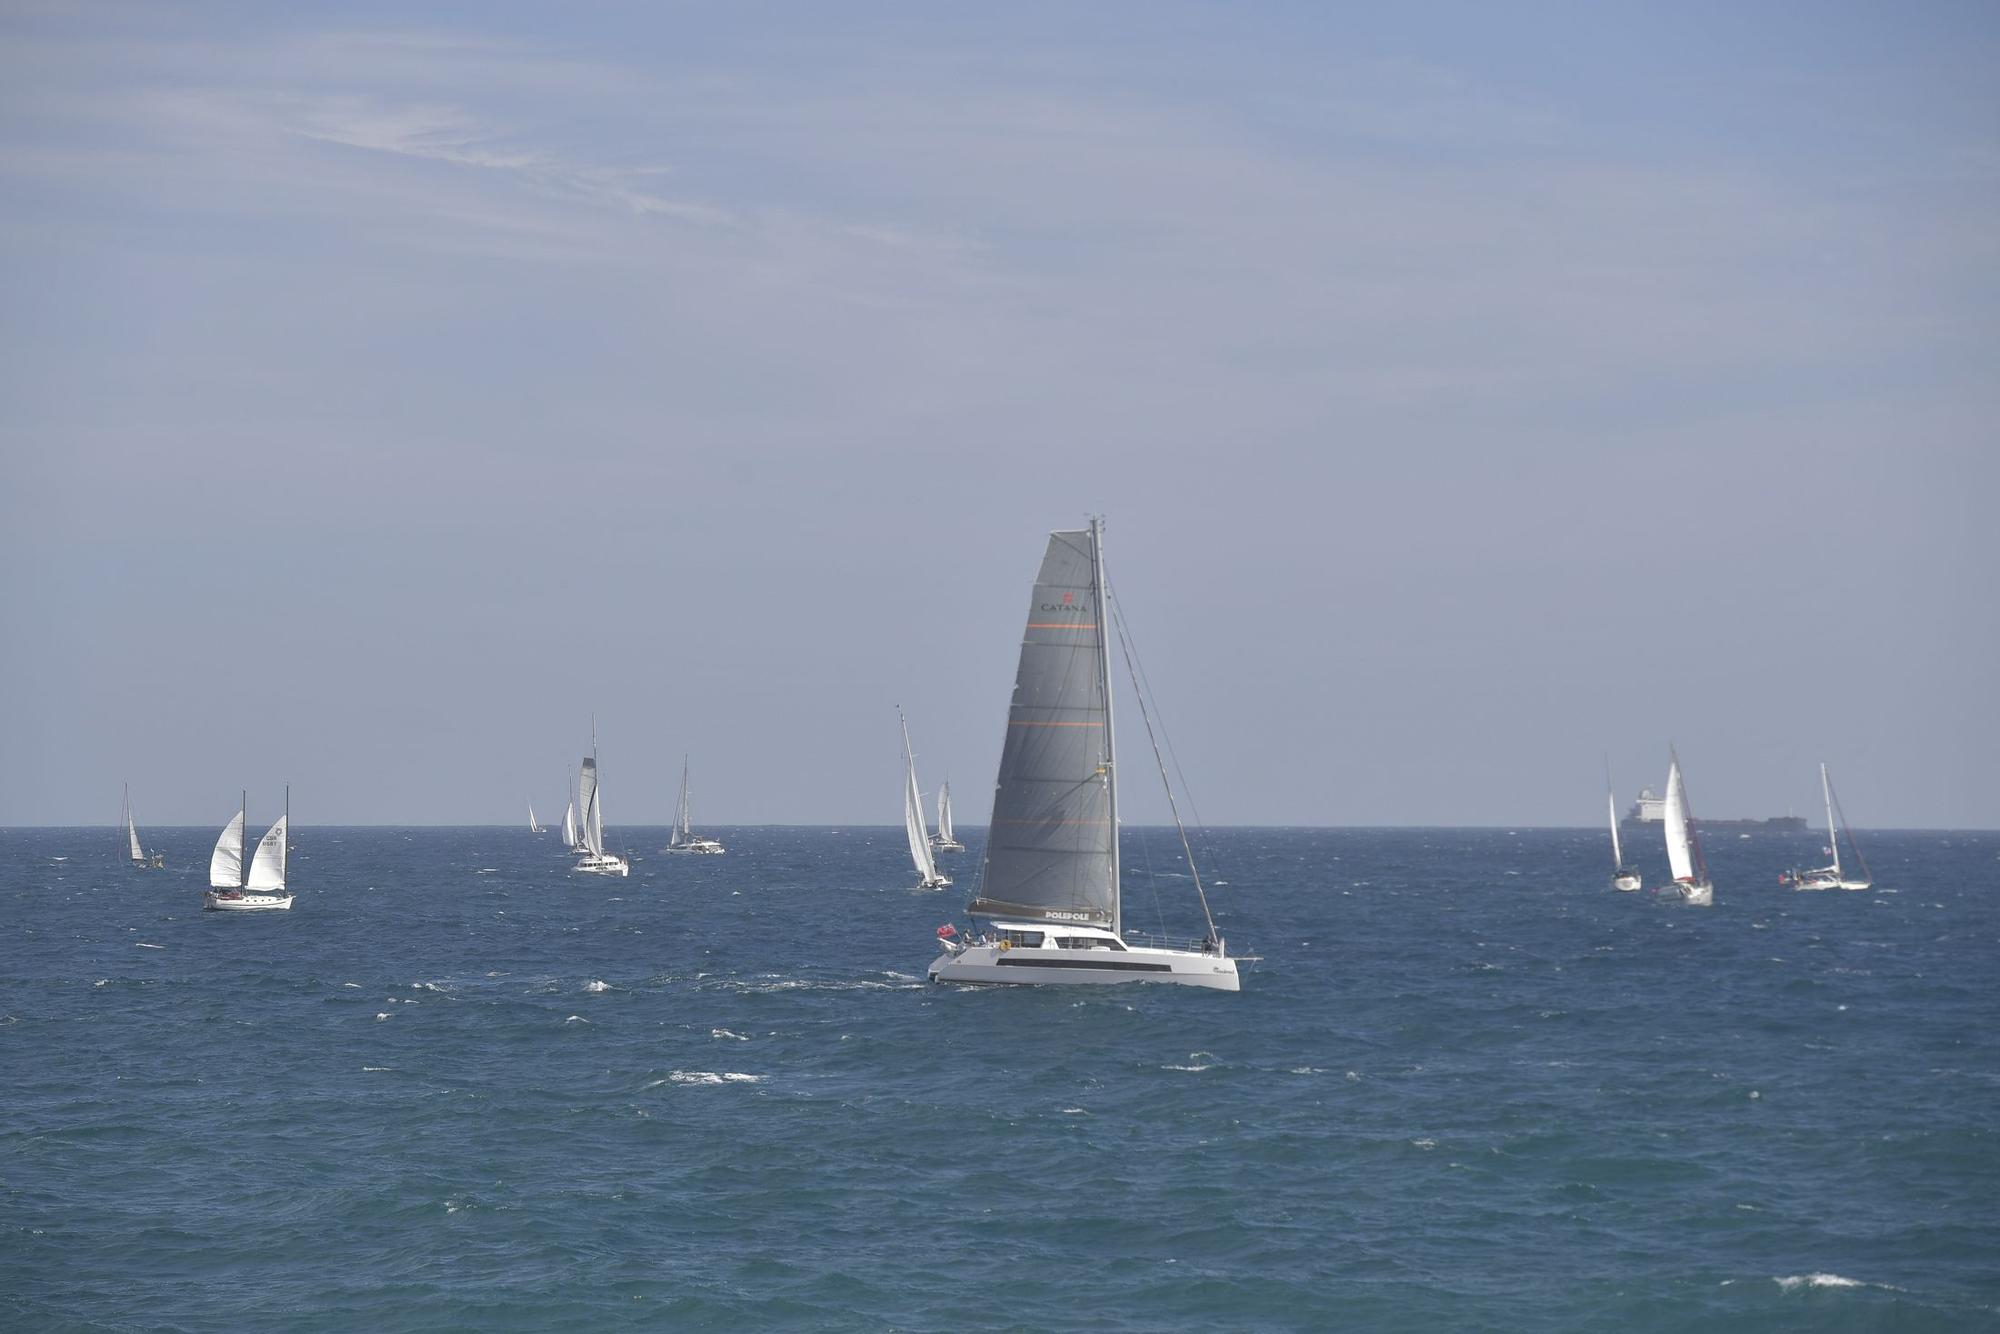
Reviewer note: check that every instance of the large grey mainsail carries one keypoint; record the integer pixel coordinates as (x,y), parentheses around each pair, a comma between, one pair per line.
(1051,851)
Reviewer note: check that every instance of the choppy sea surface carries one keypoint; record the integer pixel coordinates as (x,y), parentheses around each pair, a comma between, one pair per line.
(1468,1087)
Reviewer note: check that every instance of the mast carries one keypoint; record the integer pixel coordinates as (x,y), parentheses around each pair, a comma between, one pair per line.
(686,830)
(1832,832)
(1104,682)
(285,843)
(243,832)
(1617,856)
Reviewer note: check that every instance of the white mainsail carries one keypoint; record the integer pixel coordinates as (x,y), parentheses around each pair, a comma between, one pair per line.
(267,868)
(683,822)
(225,864)
(944,814)
(913,815)
(1832,830)
(1680,841)
(534,827)
(1617,855)
(139,853)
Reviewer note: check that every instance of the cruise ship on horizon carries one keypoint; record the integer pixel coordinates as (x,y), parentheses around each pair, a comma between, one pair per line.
(1651,810)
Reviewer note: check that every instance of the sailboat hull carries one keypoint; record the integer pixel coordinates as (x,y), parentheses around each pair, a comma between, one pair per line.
(706,847)
(1625,884)
(231,901)
(994,966)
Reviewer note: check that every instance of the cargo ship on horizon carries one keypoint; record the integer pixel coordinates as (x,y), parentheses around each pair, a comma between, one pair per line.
(1651,810)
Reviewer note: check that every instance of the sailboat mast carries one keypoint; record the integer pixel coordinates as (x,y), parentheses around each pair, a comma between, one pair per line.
(1832,832)
(1617,855)
(242,826)
(1103,600)
(285,843)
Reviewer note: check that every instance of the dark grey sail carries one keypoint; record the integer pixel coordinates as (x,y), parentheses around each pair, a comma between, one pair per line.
(1051,851)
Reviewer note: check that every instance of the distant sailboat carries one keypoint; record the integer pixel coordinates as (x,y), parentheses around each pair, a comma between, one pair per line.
(1621,878)
(942,840)
(1832,877)
(143,860)
(1049,881)
(533,827)
(591,856)
(928,876)
(263,889)
(1690,868)
(684,838)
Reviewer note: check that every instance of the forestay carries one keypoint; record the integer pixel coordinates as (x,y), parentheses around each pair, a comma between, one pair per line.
(1051,850)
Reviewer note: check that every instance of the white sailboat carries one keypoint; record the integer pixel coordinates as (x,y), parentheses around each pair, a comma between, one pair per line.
(1049,878)
(141,859)
(928,875)
(1690,868)
(590,854)
(684,838)
(263,888)
(1621,878)
(533,826)
(569,815)
(943,840)
(1833,877)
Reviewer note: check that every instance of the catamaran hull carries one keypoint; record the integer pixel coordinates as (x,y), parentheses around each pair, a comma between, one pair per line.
(214,902)
(700,849)
(989,965)
(1815,882)
(606,865)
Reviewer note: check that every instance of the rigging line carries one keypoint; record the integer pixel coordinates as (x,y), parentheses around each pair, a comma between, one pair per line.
(1125,633)
(1125,647)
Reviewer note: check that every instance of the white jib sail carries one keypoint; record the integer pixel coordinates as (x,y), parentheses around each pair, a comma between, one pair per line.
(569,824)
(1680,843)
(267,868)
(132,833)
(225,865)
(944,813)
(533,828)
(1832,833)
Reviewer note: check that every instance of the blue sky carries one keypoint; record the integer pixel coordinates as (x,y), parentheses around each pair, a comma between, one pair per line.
(1472,391)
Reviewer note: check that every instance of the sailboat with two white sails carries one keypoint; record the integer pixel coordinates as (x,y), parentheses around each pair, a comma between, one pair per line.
(1832,877)
(1684,856)
(534,826)
(1622,879)
(944,840)
(263,887)
(1049,880)
(591,858)
(141,859)
(684,838)
(928,875)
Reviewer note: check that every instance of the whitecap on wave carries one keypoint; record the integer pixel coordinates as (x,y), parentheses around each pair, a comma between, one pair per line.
(725,1033)
(708,1078)
(1794,1282)
(595,987)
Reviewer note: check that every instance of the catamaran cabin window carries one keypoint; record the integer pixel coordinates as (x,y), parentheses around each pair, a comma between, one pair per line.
(1027,940)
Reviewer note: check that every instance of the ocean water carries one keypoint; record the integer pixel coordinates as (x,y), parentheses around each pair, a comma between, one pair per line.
(1468,1088)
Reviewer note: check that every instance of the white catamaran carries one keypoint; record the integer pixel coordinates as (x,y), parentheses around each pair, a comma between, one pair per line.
(928,875)
(142,859)
(1049,878)
(685,839)
(263,888)
(1684,857)
(534,827)
(943,840)
(1621,878)
(1833,877)
(590,854)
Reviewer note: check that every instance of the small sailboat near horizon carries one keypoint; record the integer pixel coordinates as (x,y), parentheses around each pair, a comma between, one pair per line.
(533,826)
(944,840)
(1832,877)
(1049,878)
(591,857)
(928,875)
(1623,879)
(263,887)
(684,838)
(1684,856)
(141,859)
